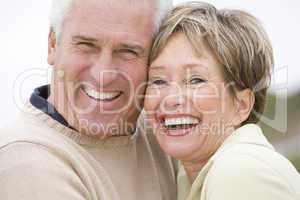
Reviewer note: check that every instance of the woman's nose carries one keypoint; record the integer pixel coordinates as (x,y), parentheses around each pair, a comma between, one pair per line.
(175,98)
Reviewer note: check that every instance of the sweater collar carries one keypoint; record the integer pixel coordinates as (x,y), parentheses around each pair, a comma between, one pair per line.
(39,100)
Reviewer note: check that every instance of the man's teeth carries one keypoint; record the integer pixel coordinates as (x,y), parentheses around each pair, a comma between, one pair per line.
(181,121)
(100,95)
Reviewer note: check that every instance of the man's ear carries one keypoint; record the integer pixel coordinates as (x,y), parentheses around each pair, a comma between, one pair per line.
(51,46)
(244,103)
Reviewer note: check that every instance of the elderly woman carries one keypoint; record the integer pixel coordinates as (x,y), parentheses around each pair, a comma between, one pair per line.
(208,78)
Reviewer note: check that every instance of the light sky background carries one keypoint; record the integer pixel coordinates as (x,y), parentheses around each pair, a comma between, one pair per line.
(24,29)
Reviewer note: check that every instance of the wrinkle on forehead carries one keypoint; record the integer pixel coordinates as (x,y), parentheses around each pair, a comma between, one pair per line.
(126,20)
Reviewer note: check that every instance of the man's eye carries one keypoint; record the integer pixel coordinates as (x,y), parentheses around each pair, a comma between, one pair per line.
(195,81)
(86,46)
(128,53)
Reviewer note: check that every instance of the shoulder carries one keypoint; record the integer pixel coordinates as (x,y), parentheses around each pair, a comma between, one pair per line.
(30,156)
(29,129)
(252,172)
(22,127)
(34,171)
(27,154)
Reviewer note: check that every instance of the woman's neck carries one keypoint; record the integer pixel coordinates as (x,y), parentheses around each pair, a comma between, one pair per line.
(193,168)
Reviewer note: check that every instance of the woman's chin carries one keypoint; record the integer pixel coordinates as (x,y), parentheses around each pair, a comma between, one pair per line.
(180,147)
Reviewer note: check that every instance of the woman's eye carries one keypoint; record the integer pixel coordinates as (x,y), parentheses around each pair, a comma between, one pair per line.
(194,81)
(158,82)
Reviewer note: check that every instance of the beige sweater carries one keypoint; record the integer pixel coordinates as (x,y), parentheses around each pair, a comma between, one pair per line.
(41,159)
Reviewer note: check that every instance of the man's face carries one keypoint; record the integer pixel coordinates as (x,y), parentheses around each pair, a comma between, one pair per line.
(100,64)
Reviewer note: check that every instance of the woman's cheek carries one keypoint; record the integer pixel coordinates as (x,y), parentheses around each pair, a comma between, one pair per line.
(151,101)
(206,100)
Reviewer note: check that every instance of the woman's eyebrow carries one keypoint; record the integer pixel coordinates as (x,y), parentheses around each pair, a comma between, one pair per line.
(157,67)
(194,65)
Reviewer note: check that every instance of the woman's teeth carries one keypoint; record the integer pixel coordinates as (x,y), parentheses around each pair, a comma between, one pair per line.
(180,123)
(101,96)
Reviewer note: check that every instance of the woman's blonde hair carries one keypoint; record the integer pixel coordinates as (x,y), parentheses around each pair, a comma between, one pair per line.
(237,39)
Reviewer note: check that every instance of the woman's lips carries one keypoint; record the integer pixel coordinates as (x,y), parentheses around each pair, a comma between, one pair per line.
(179,132)
(178,125)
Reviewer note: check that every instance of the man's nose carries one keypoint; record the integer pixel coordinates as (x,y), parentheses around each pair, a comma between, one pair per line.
(175,98)
(103,70)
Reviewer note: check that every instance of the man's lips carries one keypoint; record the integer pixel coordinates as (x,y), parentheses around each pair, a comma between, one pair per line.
(101,96)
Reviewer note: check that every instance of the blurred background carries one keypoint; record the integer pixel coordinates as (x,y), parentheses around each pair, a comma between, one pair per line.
(23,55)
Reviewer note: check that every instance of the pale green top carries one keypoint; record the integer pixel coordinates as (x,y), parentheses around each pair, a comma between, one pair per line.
(245,167)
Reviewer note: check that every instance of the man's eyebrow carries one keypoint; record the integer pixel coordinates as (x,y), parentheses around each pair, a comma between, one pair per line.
(135,47)
(83,38)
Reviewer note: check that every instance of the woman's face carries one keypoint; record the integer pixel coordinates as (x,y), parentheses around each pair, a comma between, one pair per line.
(187,101)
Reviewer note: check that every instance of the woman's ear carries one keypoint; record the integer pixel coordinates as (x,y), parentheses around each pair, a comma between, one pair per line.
(244,103)
(51,47)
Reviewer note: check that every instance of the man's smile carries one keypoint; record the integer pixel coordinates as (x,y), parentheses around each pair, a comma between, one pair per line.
(101,96)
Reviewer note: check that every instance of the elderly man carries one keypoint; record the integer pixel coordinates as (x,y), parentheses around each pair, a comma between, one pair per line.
(75,139)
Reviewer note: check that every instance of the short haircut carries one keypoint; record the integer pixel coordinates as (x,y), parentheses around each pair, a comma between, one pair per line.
(60,9)
(236,38)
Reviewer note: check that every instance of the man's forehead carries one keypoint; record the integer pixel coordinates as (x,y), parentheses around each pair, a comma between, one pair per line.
(114,13)
(132,6)
(103,34)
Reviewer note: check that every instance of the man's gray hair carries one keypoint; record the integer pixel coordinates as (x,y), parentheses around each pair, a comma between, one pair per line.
(60,9)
